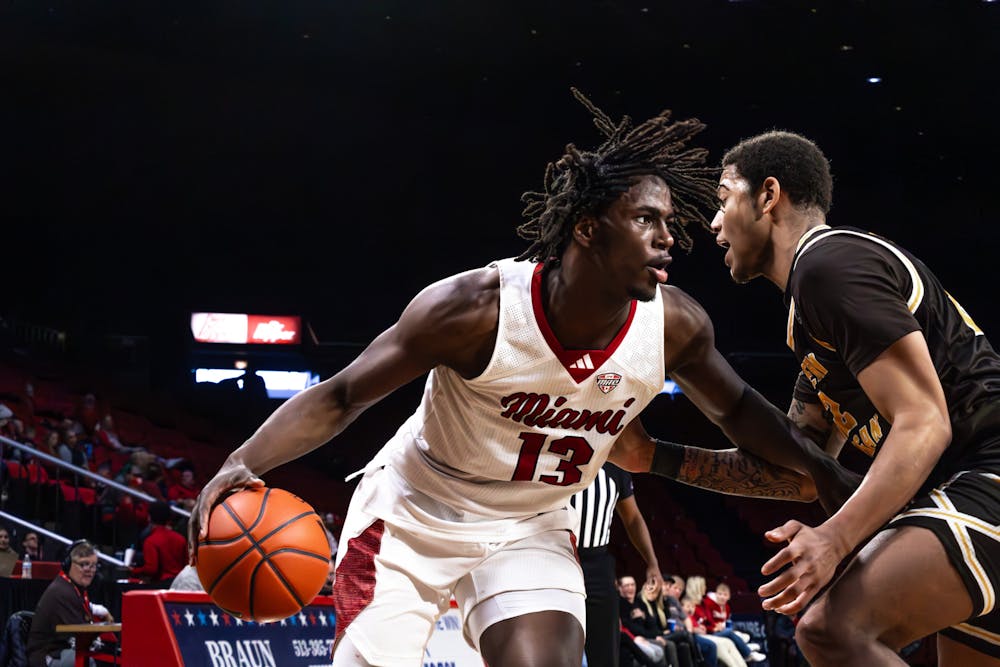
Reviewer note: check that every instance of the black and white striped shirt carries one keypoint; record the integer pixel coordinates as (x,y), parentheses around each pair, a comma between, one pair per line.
(595,505)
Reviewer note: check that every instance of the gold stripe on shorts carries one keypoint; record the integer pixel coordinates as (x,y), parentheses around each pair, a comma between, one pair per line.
(959,523)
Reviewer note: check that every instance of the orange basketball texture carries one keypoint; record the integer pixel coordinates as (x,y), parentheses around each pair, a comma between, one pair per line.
(265,556)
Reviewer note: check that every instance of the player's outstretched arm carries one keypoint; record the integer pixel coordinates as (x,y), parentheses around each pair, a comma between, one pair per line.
(451,323)
(751,422)
(731,471)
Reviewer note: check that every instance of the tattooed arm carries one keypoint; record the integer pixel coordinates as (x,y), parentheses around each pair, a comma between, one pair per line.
(811,419)
(740,473)
(749,420)
(731,471)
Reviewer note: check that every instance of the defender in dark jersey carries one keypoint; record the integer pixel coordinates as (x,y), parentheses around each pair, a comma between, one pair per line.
(894,366)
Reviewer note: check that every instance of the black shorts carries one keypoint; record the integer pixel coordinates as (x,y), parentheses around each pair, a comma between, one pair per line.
(964,513)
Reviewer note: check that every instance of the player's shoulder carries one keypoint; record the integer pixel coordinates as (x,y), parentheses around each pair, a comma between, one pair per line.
(681,312)
(838,257)
(467,301)
(688,332)
(839,247)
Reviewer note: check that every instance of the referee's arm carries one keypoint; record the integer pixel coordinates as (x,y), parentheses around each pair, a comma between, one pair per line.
(638,534)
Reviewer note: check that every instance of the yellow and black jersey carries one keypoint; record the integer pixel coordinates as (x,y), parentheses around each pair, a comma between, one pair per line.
(850,295)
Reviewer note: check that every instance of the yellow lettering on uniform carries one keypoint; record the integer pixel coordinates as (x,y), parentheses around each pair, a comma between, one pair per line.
(864,443)
(866,438)
(875,428)
(813,370)
(844,421)
(965,316)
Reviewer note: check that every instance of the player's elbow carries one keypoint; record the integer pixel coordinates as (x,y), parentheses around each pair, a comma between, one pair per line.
(632,454)
(807,490)
(939,431)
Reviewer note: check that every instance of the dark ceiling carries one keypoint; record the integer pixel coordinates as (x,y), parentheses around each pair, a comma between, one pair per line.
(332,157)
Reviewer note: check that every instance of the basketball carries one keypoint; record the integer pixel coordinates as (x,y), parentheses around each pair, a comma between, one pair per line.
(265,556)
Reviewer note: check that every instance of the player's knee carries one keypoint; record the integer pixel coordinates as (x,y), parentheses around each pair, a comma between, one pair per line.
(819,631)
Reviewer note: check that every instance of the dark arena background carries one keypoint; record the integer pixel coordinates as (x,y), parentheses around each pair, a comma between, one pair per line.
(323,160)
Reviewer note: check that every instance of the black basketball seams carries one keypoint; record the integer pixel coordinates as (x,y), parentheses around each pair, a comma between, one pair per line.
(246,531)
(267,560)
(256,545)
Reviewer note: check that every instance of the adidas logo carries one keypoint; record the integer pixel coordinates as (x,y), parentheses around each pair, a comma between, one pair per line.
(583,362)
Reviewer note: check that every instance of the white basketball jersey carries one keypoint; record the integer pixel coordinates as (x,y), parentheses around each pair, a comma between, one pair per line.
(503,452)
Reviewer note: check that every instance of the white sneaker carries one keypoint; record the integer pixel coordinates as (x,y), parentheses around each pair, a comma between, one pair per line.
(742,635)
(753,646)
(756,657)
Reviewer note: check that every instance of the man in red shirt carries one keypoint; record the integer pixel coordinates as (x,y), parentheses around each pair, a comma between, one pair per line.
(184,493)
(164,551)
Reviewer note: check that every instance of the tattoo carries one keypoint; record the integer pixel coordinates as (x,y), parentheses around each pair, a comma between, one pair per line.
(739,473)
(797,413)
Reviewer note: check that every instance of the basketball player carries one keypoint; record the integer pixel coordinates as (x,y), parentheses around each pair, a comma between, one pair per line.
(535,367)
(893,365)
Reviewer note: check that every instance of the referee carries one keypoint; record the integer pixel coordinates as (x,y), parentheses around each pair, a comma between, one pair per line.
(610,491)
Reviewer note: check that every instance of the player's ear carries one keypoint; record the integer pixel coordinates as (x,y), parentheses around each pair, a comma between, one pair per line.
(583,230)
(768,195)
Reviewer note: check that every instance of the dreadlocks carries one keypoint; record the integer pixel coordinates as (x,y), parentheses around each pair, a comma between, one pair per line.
(586,182)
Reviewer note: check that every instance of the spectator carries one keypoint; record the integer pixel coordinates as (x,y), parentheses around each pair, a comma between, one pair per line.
(128,514)
(332,524)
(696,591)
(184,492)
(52,443)
(31,545)
(154,483)
(716,604)
(164,551)
(331,576)
(652,599)
(728,654)
(7,422)
(30,436)
(11,427)
(641,629)
(187,580)
(8,557)
(107,437)
(87,413)
(673,588)
(65,601)
(72,449)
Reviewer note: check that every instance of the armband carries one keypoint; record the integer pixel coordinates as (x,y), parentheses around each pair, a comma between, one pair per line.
(667,459)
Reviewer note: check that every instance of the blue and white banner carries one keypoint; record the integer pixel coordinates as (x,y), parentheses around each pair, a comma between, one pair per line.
(208,636)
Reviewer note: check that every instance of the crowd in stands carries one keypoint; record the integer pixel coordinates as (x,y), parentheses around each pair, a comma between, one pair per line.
(82,430)
(676,624)
(89,440)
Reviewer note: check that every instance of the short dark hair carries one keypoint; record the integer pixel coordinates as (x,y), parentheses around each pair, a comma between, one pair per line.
(588,182)
(797,163)
(159,513)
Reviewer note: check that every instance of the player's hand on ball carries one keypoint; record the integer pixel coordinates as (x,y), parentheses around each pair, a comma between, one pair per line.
(231,477)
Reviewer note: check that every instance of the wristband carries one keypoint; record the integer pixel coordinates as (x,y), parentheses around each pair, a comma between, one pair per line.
(667,459)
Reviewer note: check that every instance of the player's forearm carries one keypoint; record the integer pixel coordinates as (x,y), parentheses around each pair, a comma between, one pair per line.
(730,471)
(758,427)
(303,423)
(904,462)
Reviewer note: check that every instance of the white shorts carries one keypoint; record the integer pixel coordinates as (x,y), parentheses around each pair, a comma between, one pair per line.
(393,584)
